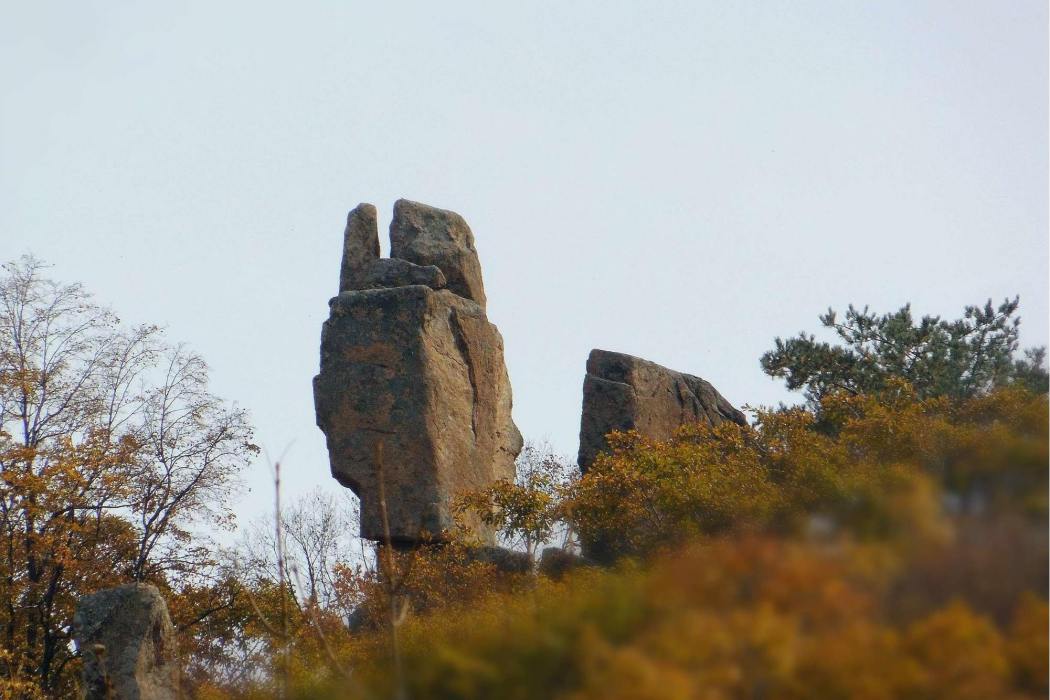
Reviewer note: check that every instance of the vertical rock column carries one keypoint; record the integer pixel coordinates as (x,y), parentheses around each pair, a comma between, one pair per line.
(410,361)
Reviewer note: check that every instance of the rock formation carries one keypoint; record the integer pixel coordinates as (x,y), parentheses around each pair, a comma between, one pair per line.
(127,643)
(410,362)
(427,236)
(621,392)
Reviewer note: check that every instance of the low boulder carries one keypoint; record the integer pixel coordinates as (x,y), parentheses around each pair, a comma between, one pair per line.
(127,643)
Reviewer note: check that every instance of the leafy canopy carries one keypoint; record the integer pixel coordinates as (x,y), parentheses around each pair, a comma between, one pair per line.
(957,359)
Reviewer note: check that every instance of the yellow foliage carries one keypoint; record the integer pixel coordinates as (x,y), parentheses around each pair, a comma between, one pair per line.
(1027,646)
(894,548)
(958,654)
(876,467)
(795,559)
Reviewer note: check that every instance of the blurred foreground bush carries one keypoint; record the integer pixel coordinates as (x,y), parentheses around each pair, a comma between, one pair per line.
(896,550)
(730,618)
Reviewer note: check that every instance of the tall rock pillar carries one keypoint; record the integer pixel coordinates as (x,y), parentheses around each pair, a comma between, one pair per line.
(410,361)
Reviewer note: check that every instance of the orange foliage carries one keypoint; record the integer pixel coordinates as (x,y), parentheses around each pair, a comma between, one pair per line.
(895,548)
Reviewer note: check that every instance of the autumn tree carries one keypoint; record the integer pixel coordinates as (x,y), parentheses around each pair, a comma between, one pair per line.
(112,449)
(319,532)
(958,359)
(526,513)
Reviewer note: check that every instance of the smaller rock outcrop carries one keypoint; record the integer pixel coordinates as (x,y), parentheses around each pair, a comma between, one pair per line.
(127,642)
(622,392)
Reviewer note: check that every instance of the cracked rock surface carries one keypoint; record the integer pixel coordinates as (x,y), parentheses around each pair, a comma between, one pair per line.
(410,361)
(623,392)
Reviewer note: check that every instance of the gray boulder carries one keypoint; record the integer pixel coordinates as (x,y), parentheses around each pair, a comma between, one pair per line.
(420,372)
(127,643)
(429,236)
(622,392)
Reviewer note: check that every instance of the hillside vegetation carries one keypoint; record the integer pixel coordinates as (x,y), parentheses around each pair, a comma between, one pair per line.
(888,539)
(898,552)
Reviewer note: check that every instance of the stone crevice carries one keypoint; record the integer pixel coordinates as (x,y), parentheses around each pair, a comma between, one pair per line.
(459,335)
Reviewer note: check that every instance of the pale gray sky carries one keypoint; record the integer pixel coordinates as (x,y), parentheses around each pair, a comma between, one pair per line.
(678,180)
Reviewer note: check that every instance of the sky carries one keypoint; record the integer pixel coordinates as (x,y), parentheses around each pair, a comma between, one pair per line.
(682,181)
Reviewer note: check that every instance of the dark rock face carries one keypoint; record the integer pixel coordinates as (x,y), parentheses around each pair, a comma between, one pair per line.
(622,392)
(418,369)
(128,644)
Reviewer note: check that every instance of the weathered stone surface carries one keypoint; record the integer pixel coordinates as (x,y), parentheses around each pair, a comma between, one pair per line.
(392,272)
(128,644)
(420,371)
(429,236)
(622,392)
(360,247)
